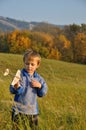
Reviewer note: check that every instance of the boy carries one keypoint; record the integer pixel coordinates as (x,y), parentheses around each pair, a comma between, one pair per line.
(26,90)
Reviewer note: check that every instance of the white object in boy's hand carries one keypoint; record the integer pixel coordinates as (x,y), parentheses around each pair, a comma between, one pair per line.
(16,78)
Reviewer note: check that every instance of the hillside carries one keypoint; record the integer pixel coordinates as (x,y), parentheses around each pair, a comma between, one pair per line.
(10,24)
(64,106)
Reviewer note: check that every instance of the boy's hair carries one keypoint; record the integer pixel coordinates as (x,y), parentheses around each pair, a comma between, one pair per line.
(30,54)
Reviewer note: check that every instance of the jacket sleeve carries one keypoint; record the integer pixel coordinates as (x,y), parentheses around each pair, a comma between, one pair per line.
(43,90)
(16,91)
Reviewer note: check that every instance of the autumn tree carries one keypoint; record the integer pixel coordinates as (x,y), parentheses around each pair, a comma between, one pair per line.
(18,42)
(80,48)
(54,54)
(3,42)
(63,45)
(41,42)
(70,31)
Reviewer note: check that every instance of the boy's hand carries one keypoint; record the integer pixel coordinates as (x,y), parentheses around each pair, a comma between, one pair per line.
(35,84)
(16,86)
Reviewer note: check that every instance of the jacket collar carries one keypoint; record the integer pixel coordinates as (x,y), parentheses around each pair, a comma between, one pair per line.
(25,73)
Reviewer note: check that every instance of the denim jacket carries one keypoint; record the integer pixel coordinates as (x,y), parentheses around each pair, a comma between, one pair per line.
(26,96)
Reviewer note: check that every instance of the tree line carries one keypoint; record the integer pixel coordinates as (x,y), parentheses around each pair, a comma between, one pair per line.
(66,44)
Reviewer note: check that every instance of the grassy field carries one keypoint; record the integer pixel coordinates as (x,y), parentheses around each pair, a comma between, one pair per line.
(64,106)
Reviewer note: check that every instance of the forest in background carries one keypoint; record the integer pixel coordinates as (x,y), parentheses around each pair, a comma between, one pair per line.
(66,44)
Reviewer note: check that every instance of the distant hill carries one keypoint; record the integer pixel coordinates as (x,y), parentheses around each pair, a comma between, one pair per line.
(9,24)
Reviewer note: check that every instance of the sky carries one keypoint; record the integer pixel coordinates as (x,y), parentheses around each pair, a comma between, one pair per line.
(59,12)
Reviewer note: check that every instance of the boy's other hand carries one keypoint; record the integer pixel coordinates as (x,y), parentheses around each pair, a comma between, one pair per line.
(35,84)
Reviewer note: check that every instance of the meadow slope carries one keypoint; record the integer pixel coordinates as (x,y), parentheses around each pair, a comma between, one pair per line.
(64,106)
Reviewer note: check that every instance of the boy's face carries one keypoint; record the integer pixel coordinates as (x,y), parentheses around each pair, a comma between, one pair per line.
(31,65)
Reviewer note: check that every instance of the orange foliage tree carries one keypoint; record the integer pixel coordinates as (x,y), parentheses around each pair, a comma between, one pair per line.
(80,47)
(63,45)
(54,54)
(42,43)
(18,42)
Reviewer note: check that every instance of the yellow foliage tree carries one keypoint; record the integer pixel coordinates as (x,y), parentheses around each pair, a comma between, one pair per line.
(63,46)
(80,47)
(18,42)
(54,54)
(43,39)
(62,42)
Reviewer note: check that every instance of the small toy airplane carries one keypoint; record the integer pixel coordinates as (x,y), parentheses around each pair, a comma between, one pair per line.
(16,77)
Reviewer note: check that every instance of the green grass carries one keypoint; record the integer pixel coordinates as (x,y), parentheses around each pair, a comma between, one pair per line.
(64,106)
